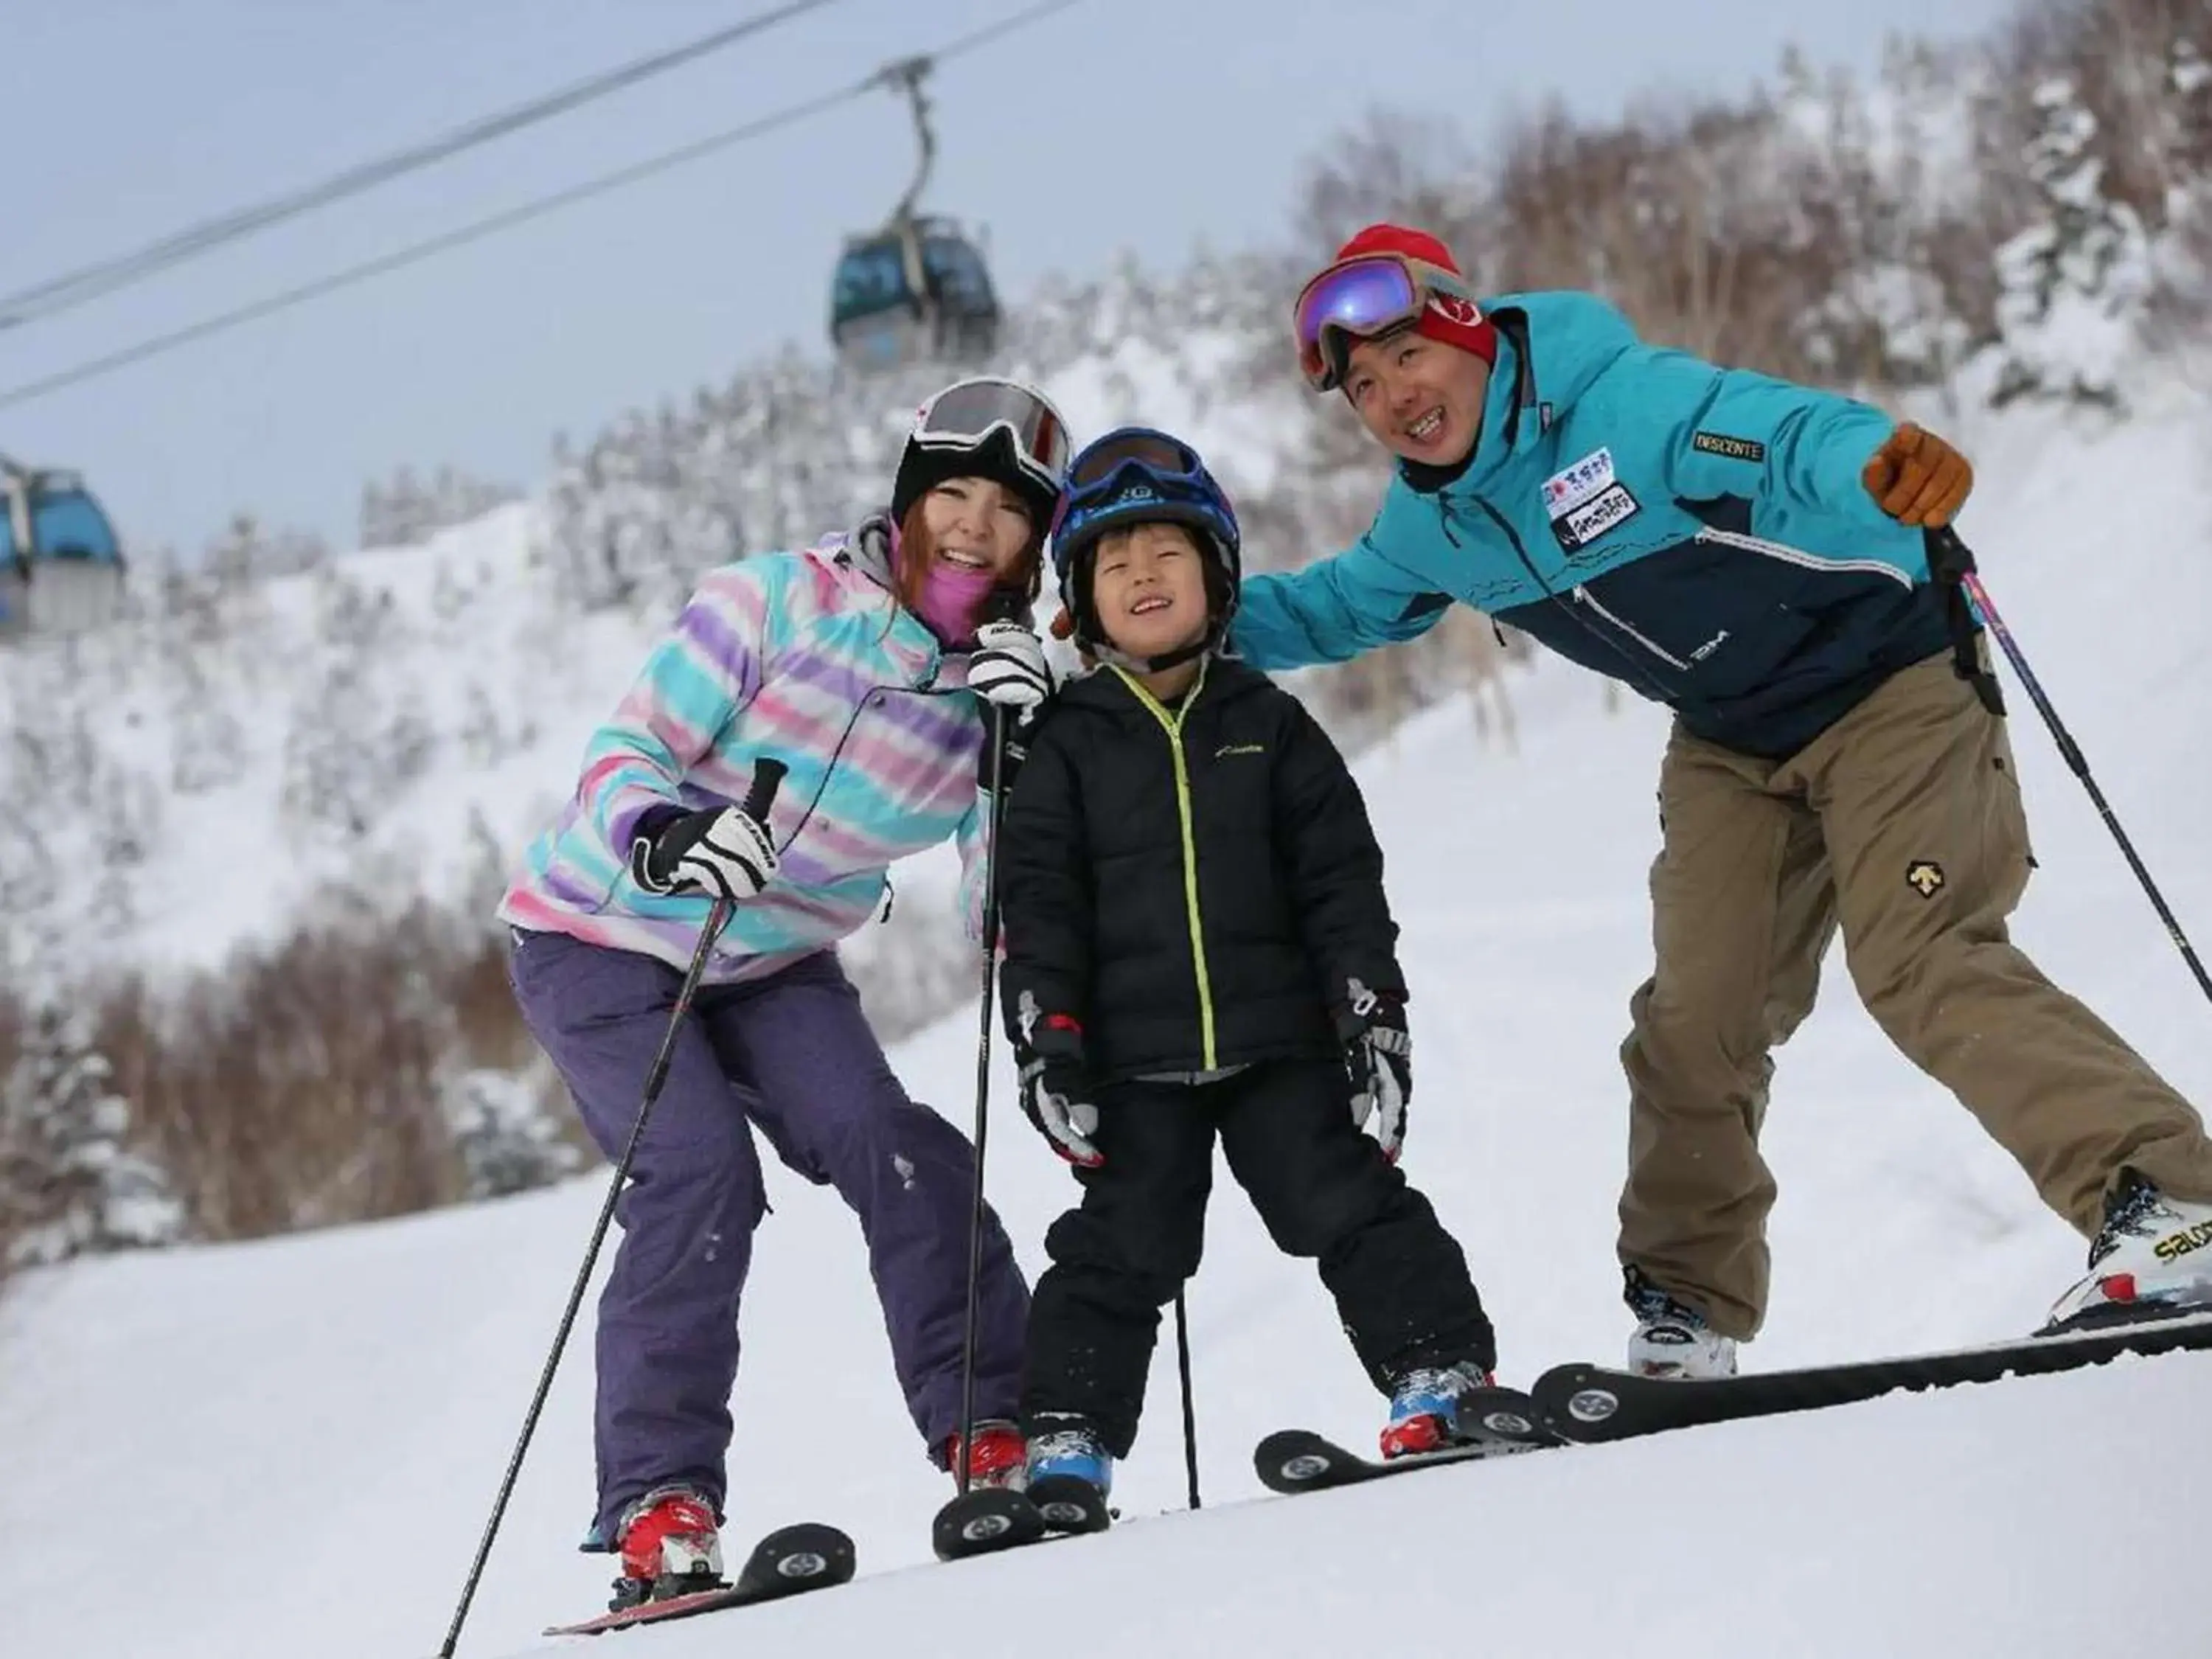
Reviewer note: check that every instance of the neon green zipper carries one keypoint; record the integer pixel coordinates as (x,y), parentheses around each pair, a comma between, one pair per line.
(1172,725)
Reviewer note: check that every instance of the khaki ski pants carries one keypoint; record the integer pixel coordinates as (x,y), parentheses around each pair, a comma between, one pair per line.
(1903,824)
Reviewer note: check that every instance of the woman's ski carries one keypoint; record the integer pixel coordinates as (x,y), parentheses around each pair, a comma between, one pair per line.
(790,1561)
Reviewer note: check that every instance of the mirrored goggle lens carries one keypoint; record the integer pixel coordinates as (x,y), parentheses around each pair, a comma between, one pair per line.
(1363,297)
(964,413)
(1148,449)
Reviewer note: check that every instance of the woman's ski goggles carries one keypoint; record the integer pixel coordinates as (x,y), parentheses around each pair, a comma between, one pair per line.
(1362,297)
(967,412)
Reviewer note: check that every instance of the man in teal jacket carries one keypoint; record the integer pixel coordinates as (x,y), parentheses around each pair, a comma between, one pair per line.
(1753,554)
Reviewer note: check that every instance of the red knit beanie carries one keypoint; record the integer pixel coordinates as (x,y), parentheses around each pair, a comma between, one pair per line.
(1450,317)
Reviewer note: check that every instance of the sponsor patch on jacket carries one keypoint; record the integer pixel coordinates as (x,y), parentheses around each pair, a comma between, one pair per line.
(1610,507)
(1566,491)
(1734,449)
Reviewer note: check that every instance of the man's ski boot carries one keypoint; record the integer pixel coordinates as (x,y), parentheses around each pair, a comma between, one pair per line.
(1001,1458)
(1671,1339)
(669,1545)
(1070,1474)
(1424,1409)
(2152,1259)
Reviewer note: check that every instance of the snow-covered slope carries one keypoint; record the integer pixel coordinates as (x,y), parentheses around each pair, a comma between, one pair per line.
(290,1447)
(1886,1530)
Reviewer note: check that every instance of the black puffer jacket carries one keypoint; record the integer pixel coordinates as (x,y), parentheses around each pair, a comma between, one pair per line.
(1194,887)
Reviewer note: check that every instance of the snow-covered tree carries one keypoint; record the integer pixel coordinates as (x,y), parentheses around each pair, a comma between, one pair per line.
(2075,281)
(2182,254)
(249,552)
(70,1180)
(357,732)
(208,741)
(509,1141)
(407,512)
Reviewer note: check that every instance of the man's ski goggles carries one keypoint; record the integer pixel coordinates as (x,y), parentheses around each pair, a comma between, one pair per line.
(1362,297)
(966,413)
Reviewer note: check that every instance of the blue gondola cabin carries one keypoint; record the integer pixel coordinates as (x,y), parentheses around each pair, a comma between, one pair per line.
(917,292)
(61,566)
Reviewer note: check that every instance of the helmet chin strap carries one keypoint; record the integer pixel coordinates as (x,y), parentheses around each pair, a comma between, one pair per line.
(1214,638)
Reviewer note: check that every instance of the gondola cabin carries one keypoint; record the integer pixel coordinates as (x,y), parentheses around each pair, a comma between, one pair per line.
(61,566)
(921,292)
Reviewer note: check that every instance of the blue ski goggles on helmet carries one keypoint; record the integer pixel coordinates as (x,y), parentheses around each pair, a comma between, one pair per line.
(1134,474)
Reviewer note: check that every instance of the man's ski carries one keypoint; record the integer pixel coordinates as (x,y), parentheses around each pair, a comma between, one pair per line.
(1588,1403)
(789,1561)
(1505,1420)
(986,1519)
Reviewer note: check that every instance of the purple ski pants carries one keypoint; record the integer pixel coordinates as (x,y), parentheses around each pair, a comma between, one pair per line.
(793,1055)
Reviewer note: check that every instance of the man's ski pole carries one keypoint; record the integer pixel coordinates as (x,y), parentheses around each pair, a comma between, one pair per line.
(1949,559)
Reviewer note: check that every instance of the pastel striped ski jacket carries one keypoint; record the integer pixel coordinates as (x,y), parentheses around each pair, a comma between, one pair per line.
(807,657)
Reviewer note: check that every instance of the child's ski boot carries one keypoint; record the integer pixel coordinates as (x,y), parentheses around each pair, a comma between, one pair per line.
(1070,1474)
(1424,1409)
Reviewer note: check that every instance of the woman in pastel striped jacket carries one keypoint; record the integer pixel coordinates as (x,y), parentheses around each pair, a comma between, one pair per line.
(861,666)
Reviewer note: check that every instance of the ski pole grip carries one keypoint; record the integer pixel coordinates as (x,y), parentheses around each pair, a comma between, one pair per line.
(1949,559)
(768,778)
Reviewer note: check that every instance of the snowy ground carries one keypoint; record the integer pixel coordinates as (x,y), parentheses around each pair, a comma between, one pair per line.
(290,1447)
(1884,1531)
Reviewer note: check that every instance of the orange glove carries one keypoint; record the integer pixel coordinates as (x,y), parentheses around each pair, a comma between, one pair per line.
(1920,479)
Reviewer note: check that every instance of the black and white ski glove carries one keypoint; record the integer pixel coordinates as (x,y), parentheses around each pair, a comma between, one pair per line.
(1056,1087)
(1008,668)
(722,851)
(1379,1054)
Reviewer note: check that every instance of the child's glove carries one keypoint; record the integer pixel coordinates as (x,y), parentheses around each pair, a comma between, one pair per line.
(1379,1054)
(1056,1087)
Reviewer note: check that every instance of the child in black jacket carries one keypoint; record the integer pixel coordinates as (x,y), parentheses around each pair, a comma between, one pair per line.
(1197,942)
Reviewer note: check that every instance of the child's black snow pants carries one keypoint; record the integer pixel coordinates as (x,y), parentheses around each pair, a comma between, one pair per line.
(1323,1189)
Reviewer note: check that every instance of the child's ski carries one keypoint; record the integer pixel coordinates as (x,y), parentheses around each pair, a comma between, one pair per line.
(1293,1461)
(1504,1420)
